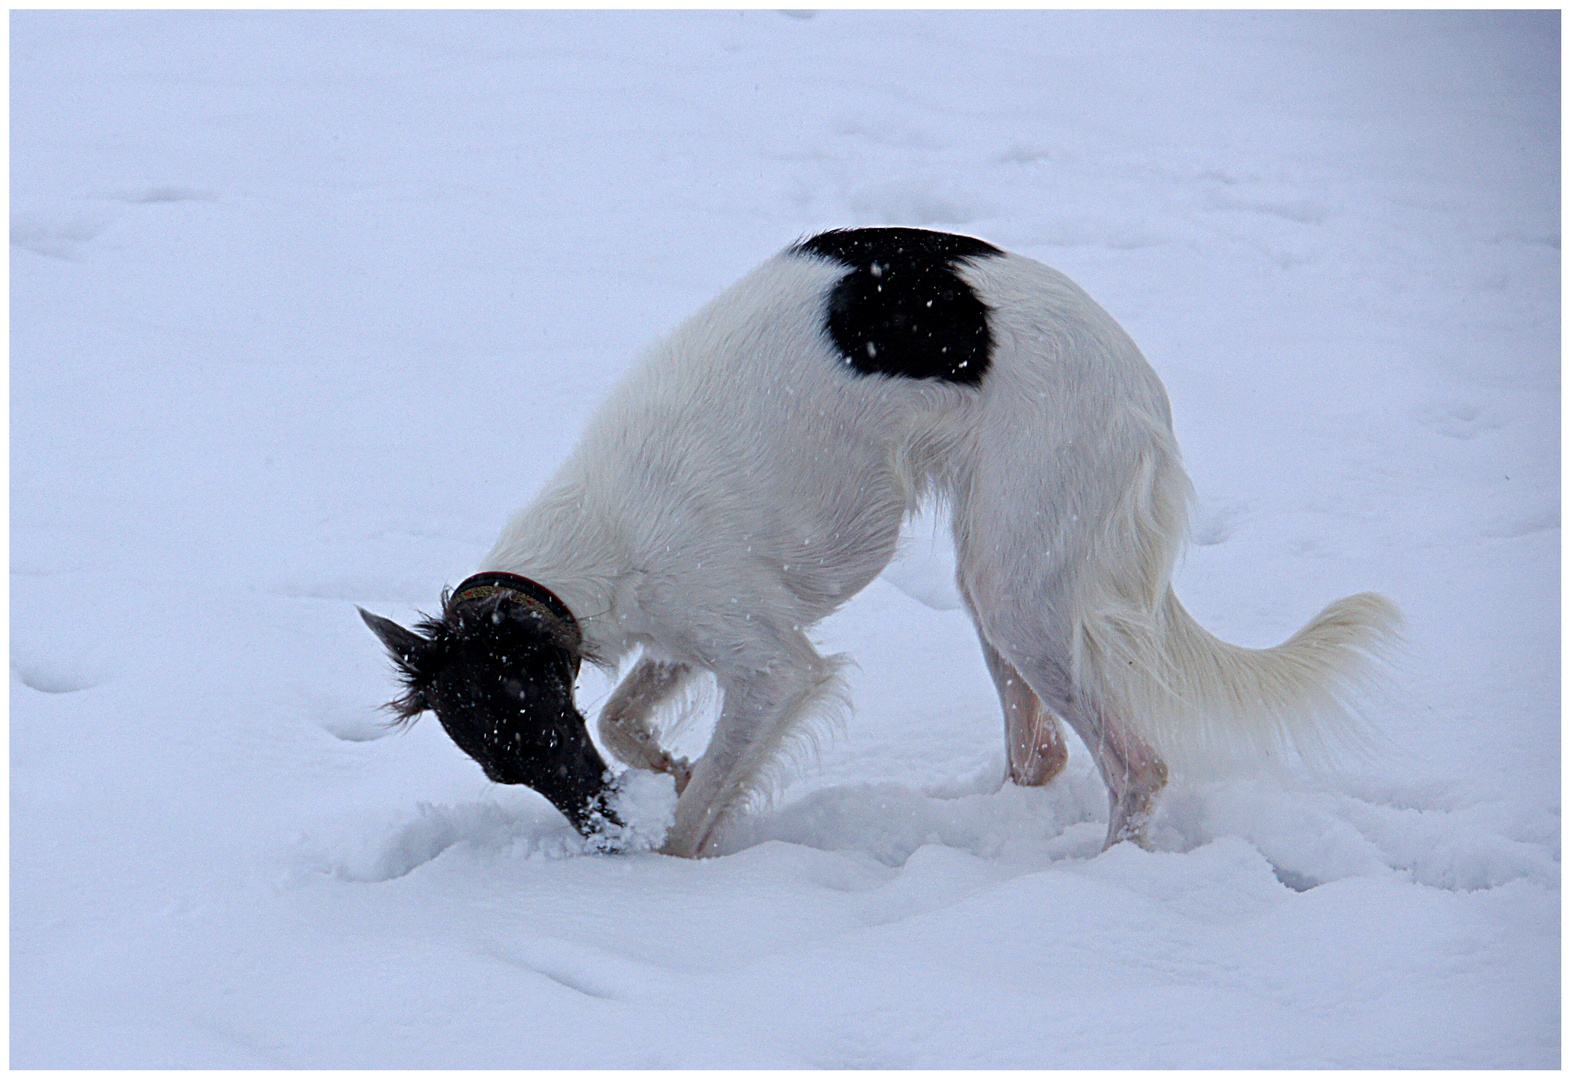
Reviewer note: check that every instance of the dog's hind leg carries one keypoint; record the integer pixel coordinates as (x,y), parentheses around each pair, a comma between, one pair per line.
(1032,668)
(624,722)
(1037,751)
(1135,775)
(1133,772)
(1032,734)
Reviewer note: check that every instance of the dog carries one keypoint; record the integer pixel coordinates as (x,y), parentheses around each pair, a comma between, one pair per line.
(752,474)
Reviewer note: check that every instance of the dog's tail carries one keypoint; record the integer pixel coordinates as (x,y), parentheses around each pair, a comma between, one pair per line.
(1199,699)
(1195,698)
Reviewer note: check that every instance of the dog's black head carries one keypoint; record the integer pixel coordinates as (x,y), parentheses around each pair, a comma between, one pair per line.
(497,669)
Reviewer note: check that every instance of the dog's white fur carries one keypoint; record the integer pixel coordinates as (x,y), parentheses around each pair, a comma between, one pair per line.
(740,485)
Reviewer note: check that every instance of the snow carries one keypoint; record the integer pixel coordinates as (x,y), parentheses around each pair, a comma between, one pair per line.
(305,305)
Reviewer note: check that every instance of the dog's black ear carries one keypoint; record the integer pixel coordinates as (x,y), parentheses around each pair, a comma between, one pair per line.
(416,660)
(407,647)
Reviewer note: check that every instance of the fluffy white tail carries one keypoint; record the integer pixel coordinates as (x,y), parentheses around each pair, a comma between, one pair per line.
(1198,699)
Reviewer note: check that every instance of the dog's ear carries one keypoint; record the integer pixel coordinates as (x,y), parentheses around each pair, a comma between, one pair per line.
(407,647)
(415,657)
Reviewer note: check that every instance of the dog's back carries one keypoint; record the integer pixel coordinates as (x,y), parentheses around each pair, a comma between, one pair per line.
(749,455)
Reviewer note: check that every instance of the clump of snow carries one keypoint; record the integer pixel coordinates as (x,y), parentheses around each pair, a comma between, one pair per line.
(644,805)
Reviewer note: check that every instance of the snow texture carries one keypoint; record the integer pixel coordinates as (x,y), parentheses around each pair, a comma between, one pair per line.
(305,305)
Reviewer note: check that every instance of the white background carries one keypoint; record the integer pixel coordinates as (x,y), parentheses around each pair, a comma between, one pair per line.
(304,305)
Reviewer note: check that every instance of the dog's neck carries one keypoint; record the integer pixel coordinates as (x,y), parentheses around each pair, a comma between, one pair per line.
(531,596)
(531,593)
(556,545)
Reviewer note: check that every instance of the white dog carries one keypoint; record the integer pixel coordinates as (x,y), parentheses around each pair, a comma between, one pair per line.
(752,474)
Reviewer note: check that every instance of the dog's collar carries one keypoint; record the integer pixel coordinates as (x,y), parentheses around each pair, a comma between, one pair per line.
(531,594)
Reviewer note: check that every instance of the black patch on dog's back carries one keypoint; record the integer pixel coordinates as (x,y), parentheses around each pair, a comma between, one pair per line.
(902,310)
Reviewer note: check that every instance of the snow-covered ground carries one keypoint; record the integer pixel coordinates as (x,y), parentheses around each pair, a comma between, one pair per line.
(304,305)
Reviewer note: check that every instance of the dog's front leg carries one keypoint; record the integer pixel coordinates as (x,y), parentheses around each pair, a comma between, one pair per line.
(759,709)
(624,722)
